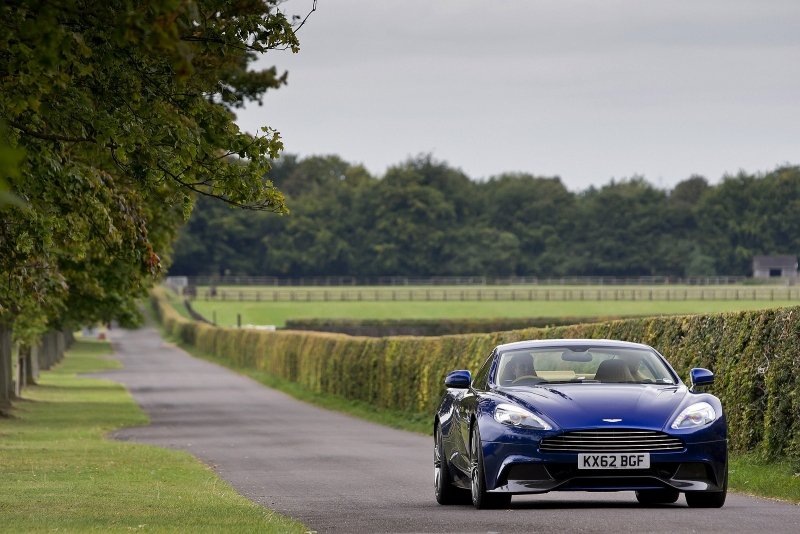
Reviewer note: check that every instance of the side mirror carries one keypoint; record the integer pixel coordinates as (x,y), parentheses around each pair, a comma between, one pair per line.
(700,377)
(458,379)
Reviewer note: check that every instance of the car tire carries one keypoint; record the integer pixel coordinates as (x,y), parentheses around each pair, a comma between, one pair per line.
(481,498)
(659,496)
(706,499)
(443,487)
(709,499)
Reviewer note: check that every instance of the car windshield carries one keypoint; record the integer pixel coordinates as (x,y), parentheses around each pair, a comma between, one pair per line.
(602,364)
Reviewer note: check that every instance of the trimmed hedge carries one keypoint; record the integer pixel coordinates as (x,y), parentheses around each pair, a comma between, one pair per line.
(433,327)
(755,355)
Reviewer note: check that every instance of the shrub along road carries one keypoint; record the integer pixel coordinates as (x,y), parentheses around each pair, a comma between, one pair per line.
(337,473)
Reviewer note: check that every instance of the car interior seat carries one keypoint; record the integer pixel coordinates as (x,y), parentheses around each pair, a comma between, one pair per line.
(509,376)
(613,371)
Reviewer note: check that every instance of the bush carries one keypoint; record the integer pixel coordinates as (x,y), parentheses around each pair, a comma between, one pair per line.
(755,355)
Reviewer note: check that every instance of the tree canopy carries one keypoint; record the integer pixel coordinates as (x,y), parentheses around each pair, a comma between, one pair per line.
(114,116)
(426,218)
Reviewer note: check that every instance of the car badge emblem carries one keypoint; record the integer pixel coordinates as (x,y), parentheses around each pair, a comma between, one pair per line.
(612,420)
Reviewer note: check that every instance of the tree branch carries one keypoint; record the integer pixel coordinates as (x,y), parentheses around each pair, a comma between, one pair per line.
(193,187)
(50,137)
(313,8)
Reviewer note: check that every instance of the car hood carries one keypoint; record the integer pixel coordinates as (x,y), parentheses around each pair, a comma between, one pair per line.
(586,405)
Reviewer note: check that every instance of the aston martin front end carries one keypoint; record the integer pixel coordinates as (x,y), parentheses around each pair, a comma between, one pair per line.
(593,415)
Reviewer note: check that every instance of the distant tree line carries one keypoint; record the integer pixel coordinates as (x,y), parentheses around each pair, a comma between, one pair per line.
(424,218)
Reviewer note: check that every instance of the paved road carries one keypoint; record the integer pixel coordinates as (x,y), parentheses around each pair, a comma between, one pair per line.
(340,474)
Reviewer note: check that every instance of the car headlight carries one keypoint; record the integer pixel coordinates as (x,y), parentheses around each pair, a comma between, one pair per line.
(511,415)
(696,415)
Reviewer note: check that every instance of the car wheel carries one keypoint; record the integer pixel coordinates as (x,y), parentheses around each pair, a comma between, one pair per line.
(480,497)
(708,499)
(703,499)
(661,496)
(446,493)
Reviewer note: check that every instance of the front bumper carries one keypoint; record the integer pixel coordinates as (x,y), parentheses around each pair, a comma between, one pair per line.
(522,468)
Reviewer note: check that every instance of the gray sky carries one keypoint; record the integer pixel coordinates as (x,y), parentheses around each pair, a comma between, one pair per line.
(586,90)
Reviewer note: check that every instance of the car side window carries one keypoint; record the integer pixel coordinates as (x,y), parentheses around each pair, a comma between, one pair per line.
(481,379)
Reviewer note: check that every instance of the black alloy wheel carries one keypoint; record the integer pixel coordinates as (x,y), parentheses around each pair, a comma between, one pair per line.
(480,497)
(446,493)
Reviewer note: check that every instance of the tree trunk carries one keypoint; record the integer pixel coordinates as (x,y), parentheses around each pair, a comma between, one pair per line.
(69,338)
(61,346)
(32,365)
(19,374)
(44,352)
(52,351)
(6,378)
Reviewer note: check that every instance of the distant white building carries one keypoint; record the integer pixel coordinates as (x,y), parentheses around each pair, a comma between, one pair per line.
(775,267)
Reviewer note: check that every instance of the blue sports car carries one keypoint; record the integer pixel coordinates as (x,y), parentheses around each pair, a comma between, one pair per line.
(579,414)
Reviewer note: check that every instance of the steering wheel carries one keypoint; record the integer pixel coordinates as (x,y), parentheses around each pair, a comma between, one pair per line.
(525,377)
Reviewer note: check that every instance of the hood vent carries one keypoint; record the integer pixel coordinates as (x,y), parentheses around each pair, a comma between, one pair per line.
(611,440)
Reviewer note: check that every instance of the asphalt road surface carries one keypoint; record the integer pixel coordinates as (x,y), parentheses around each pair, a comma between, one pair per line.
(336,473)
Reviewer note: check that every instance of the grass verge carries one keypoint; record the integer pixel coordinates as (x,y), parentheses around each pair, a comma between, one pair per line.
(60,473)
(777,479)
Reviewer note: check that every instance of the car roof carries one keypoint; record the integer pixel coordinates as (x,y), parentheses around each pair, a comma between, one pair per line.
(533,343)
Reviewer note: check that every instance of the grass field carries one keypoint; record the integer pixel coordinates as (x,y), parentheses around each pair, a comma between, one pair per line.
(496,293)
(59,472)
(276,313)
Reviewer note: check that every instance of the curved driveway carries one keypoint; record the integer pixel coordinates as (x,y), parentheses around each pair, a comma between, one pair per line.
(340,474)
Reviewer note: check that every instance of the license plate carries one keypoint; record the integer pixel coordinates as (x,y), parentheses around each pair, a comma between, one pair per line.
(614,461)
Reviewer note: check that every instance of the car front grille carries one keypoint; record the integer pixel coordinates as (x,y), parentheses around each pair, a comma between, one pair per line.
(611,440)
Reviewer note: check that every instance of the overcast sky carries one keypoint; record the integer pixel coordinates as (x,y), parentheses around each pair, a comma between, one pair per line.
(585,90)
